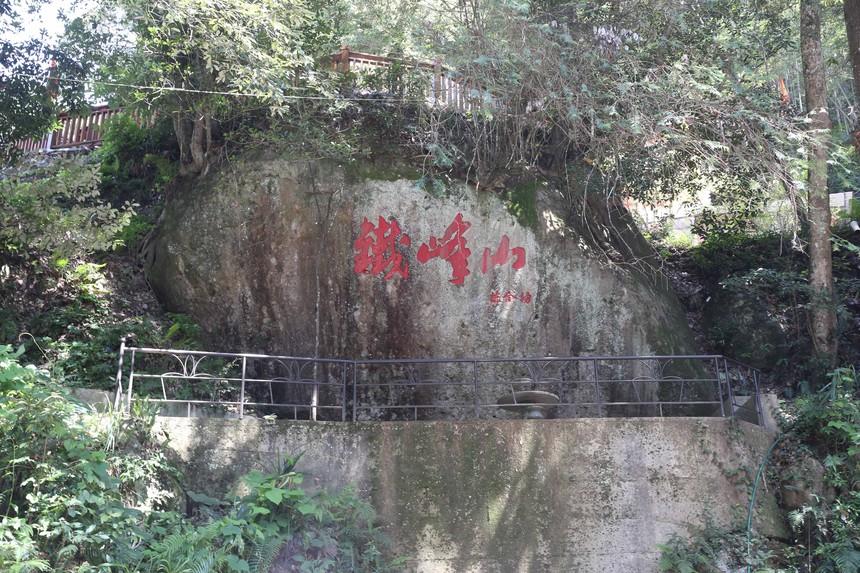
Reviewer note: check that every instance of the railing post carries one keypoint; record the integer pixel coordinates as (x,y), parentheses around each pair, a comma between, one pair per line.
(718,373)
(597,396)
(242,390)
(729,386)
(130,384)
(758,404)
(437,79)
(477,399)
(315,394)
(354,389)
(117,400)
(343,378)
(344,58)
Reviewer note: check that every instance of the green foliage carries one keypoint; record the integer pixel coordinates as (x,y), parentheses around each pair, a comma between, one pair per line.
(230,60)
(133,234)
(853,211)
(707,546)
(398,80)
(735,204)
(830,419)
(30,99)
(85,355)
(55,209)
(651,101)
(764,277)
(86,491)
(182,332)
(680,555)
(76,329)
(828,534)
(137,162)
(723,255)
(75,483)
(844,172)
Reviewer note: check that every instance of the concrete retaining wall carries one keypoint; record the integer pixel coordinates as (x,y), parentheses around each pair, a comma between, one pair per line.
(582,495)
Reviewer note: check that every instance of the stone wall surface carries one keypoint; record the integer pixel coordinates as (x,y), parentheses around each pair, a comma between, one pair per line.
(579,495)
(262,254)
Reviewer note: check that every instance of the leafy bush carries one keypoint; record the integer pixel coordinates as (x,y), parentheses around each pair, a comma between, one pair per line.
(710,549)
(767,274)
(137,162)
(77,485)
(86,491)
(722,255)
(55,209)
(828,534)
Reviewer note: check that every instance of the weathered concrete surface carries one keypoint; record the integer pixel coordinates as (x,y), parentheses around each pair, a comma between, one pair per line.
(262,255)
(582,495)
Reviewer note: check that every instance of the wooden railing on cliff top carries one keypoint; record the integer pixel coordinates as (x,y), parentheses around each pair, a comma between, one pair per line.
(74,131)
(441,90)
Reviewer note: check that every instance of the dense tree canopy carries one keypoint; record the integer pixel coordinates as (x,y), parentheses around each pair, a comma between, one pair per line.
(205,62)
(30,95)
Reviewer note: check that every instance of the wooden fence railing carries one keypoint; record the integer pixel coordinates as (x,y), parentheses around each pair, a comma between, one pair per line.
(440,88)
(74,131)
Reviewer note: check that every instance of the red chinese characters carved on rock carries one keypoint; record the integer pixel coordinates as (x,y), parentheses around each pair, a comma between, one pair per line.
(497,297)
(452,248)
(376,249)
(503,255)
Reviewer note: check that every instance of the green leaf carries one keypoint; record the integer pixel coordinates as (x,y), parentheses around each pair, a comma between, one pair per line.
(275,495)
(203,499)
(237,563)
(306,508)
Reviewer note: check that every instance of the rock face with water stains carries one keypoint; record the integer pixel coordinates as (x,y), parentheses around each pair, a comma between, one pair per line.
(308,258)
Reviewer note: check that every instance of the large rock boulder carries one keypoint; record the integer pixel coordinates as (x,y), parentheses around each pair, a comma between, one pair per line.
(305,258)
(308,258)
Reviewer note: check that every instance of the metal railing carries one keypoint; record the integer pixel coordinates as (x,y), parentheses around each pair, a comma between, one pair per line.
(189,383)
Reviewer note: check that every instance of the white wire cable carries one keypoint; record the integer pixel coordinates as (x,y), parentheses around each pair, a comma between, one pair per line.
(208,92)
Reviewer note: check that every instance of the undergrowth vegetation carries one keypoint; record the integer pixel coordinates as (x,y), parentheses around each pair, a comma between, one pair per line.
(90,491)
(70,283)
(752,298)
(747,292)
(825,531)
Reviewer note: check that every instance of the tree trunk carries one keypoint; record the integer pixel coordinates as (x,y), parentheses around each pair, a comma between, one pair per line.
(851,10)
(195,139)
(822,314)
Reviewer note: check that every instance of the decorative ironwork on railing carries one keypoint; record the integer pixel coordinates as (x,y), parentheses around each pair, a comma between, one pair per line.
(436,82)
(189,383)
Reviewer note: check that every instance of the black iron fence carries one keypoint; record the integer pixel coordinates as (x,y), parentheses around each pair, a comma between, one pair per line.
(190,383)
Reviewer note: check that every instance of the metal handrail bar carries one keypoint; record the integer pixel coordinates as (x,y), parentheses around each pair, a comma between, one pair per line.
(146,350)
(533,359)
(176,375)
